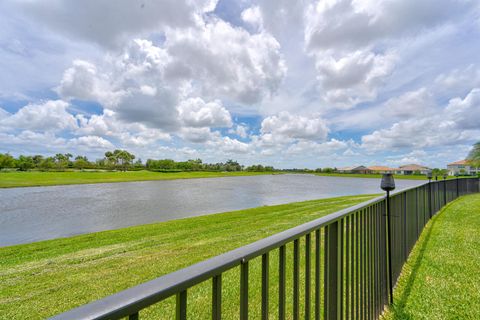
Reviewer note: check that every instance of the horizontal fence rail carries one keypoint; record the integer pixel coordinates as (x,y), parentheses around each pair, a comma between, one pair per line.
(334,267)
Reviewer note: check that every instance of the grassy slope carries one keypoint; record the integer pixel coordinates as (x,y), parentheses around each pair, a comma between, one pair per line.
(36,178)
(44,278)
(441,279)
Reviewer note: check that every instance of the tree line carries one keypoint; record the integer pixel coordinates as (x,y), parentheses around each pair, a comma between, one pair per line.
(118,160)
(124,160)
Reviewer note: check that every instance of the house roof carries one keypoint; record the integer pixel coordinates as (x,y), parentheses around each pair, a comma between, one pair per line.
(381,168)
(351,168)
(459,162)
(412,167)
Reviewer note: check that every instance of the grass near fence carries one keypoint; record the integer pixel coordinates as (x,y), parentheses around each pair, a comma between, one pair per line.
(38,178)
(45,278)
(441,279)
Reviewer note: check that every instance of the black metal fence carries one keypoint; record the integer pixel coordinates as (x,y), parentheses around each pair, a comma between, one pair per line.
(342,259)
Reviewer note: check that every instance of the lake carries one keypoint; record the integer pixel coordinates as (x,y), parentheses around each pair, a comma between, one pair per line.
(40,213)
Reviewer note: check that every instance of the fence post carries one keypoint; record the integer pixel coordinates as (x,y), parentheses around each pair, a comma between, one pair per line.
(389,248)
(445,191)
(333,271)
(388,184)
(430,209)
(457,187)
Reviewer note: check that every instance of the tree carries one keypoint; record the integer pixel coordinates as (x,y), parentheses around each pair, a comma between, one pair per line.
(6,161)
(37,159)
(473,157)
(119,158)
(81,162)
(47,163)
(62,160)
(232,165)
(25,163)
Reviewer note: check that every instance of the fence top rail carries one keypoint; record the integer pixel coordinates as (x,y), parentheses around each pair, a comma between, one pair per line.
(141,296)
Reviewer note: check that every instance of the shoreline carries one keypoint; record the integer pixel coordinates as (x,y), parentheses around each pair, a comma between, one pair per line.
(19,179)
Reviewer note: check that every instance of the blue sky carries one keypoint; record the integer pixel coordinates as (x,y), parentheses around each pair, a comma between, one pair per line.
(290,84)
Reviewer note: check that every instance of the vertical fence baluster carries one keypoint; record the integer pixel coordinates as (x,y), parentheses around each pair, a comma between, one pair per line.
(181,307)
(347,266)
(340,269)
(352,266)
(374,268)
(371,263)
(308,249)
(217,297)
(244,290)
(405,224)
(296,276)
(333,273)
(365,263)
(317,274)
(133,316)
(281,283)
(357,265)
(376,259)
(265,286)
(383,253)
(362,265)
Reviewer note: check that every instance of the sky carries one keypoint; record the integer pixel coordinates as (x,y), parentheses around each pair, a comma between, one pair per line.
(302,84)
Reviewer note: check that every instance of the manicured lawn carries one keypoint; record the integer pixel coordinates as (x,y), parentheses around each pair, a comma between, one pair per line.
(441,279)
(37,178)
(42,279)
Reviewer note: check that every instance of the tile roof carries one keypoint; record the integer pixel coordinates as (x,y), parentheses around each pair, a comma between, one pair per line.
(381,168)
(412,167)
(458,162)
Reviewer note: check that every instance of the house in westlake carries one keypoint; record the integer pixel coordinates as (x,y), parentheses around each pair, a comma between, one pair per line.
(381,169)
(412,169)
(461,167)
(354,169)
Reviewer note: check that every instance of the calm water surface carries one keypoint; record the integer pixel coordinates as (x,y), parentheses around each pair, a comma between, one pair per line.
(40,213)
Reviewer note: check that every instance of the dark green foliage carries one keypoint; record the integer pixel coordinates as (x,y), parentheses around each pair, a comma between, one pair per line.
(6,161)
(474,155)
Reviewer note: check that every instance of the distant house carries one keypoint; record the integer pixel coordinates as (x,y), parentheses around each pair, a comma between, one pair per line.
(382,169)
(461,167)
(354,169)
(412,169)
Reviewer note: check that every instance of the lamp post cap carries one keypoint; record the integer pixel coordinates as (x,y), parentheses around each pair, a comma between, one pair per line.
(388,182)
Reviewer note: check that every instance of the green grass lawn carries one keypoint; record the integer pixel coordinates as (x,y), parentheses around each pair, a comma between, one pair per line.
(37,178)
(441,279)
(41,279)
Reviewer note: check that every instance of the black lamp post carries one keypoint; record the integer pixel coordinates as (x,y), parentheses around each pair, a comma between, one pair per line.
(429,176)
(388,184)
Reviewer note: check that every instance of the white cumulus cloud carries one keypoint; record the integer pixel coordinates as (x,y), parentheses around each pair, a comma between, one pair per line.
(194,112)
